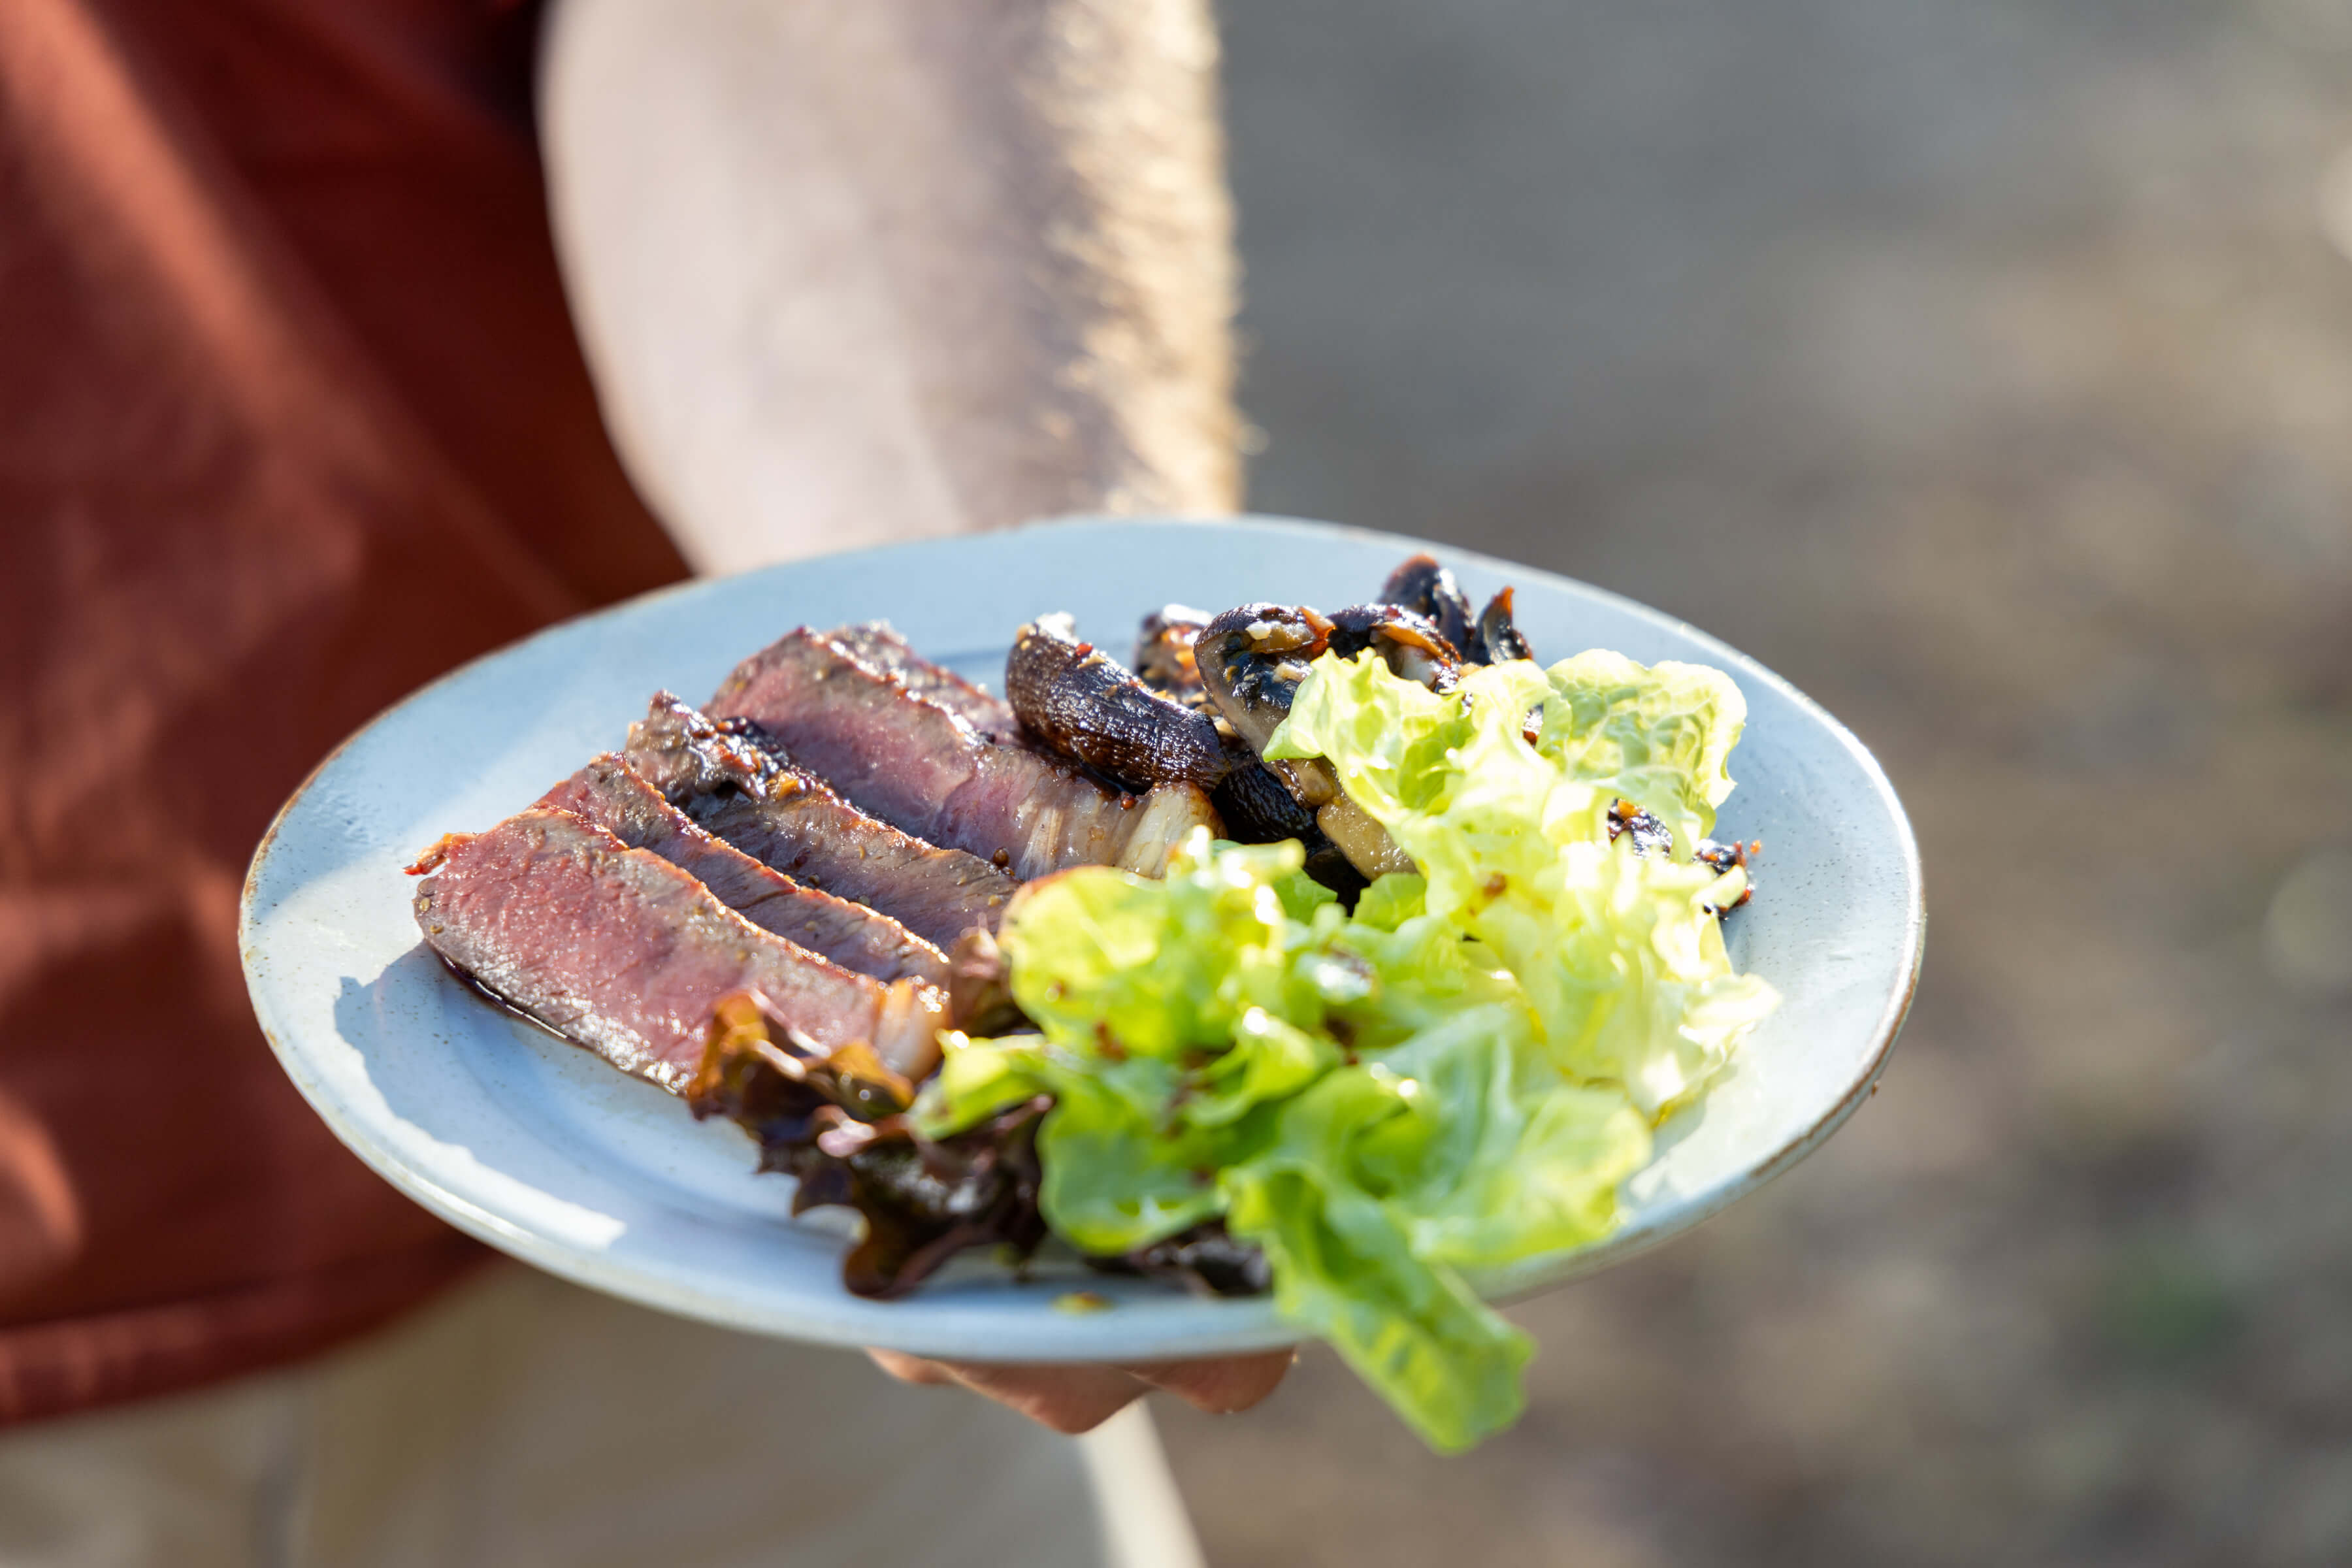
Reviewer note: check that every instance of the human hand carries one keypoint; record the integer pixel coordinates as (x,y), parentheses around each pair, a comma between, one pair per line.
(1075,1399)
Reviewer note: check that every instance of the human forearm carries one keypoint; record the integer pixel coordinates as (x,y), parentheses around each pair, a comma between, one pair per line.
(859,270)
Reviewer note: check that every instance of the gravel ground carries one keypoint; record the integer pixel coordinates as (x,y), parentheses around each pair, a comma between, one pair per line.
(1987,369)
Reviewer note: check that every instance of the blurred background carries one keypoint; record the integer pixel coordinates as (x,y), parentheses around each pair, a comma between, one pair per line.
(1985,369)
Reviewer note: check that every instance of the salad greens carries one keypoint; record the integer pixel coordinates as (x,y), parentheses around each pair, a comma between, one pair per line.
(1616,952)
(1455,1076)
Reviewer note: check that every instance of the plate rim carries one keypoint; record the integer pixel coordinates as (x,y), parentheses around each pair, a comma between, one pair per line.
(1245,1324)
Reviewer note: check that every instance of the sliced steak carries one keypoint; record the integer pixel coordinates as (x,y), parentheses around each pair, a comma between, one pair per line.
(737,787)
(878,646)
(621,951)
(924,768)
(615,798)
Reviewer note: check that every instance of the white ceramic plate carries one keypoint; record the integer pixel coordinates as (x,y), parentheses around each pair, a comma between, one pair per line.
(543,1152)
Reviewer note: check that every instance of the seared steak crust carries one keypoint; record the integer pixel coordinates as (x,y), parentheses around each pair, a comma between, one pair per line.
(741,791)
(878,646)
(621,951)
(921,766)
(615,798)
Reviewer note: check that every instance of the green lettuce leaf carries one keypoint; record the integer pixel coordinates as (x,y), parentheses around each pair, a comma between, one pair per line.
(1455,1076)
(1660,735)
(1617,951)
(1460,1148)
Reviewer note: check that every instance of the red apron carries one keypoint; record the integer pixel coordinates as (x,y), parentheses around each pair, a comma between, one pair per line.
(291,420)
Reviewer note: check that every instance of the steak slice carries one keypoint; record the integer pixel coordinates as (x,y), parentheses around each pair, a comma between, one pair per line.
(878,646)
(619,951)
(923,767)
(615,798)
(739,788)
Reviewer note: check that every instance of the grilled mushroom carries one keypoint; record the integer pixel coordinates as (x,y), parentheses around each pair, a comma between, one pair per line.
(1088,706)
(1500,638)
(1408,643)
(1429,590)
(1251,659)
(1258,809)
(1421,586)
(1163,653)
